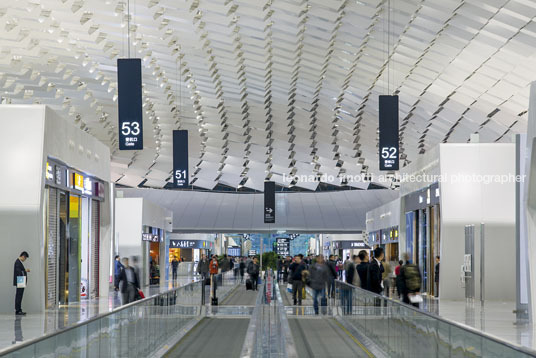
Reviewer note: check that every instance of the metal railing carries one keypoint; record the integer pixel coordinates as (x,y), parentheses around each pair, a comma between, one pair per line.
(137,329)
(269,332)
(401,330)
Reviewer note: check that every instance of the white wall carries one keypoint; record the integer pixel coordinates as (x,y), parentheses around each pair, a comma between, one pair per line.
(464,203)
(28,134)
(128,226)
(530,200)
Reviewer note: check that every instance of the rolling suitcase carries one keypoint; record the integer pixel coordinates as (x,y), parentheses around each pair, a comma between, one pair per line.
(249,284)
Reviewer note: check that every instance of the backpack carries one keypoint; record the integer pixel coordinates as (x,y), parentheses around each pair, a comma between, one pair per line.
(413,278)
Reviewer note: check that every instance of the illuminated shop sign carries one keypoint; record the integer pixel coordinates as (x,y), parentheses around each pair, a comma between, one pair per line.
(59,175)
(88,186)
(150,237)
(49,172)
(188,244)
(78,181)
(348,245)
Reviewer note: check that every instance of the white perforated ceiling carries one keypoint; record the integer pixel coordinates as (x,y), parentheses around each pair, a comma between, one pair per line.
(275,87)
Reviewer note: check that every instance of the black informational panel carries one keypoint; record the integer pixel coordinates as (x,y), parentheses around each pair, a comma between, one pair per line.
(180,159)
(130,104)
(389,155)
(283,246)
(269,202)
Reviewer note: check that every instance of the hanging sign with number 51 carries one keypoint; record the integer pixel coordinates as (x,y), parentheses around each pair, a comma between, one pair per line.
(180,159)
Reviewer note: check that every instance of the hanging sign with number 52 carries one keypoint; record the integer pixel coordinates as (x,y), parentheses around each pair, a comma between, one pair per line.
(389,136)
(130,104)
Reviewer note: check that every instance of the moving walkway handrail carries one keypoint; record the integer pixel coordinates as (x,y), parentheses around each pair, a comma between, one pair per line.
(114,311)
(458,325)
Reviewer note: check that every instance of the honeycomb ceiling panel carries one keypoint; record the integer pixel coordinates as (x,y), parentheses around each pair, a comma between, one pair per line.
(266,87)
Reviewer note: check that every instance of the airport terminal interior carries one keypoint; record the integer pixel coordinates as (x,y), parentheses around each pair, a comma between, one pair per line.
(268,178)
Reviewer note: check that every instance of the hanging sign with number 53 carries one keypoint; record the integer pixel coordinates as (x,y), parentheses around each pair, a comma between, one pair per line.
(130,104)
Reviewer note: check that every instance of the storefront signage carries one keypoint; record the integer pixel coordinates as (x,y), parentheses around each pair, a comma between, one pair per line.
(180,159)
(49,175)
(422,198)
(60,175)
(388,113)
(269,202)
(150,237)
(88,186)
(130,104)
(99,190)
(282,246)
(78,181)
(188,244)
(348,245)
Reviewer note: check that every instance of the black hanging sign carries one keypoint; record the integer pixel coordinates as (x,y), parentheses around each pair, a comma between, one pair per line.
(269,202)
(389,133)
(130,104)
(180,159)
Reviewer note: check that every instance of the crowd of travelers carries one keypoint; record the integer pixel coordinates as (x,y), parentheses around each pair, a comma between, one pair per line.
(367,271)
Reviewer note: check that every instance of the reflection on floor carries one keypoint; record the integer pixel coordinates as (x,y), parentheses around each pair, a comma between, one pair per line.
(16,329)
(495,318)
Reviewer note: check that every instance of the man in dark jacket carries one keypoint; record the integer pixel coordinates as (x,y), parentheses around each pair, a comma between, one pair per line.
(296,269)
(375,271)
(253,271)
(320,277)
(224,264)
(129,283)
(19,270)
(362,268)
(349,268)
(202,267)
(332,265)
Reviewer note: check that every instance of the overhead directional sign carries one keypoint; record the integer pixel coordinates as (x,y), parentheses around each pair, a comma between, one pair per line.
(180,159)
(388,113)
(269,202)
(129,104)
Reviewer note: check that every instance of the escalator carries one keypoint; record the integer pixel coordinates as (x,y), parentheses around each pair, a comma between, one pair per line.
(218,336)
(319,335)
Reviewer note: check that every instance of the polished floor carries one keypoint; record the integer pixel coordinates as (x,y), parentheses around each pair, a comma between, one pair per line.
(495,318)
(16,329)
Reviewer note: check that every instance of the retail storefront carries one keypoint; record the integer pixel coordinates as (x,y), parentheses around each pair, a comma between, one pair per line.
(141,230)
(422,213)
(389,242)
(349,247)
(72,213)
(189,250)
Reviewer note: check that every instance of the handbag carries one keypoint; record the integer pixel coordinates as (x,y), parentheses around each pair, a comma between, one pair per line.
(415,298)
(289,287)
(140,293)
(21,281)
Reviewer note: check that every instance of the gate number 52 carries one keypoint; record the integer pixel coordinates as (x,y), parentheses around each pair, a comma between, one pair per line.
(389,153)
